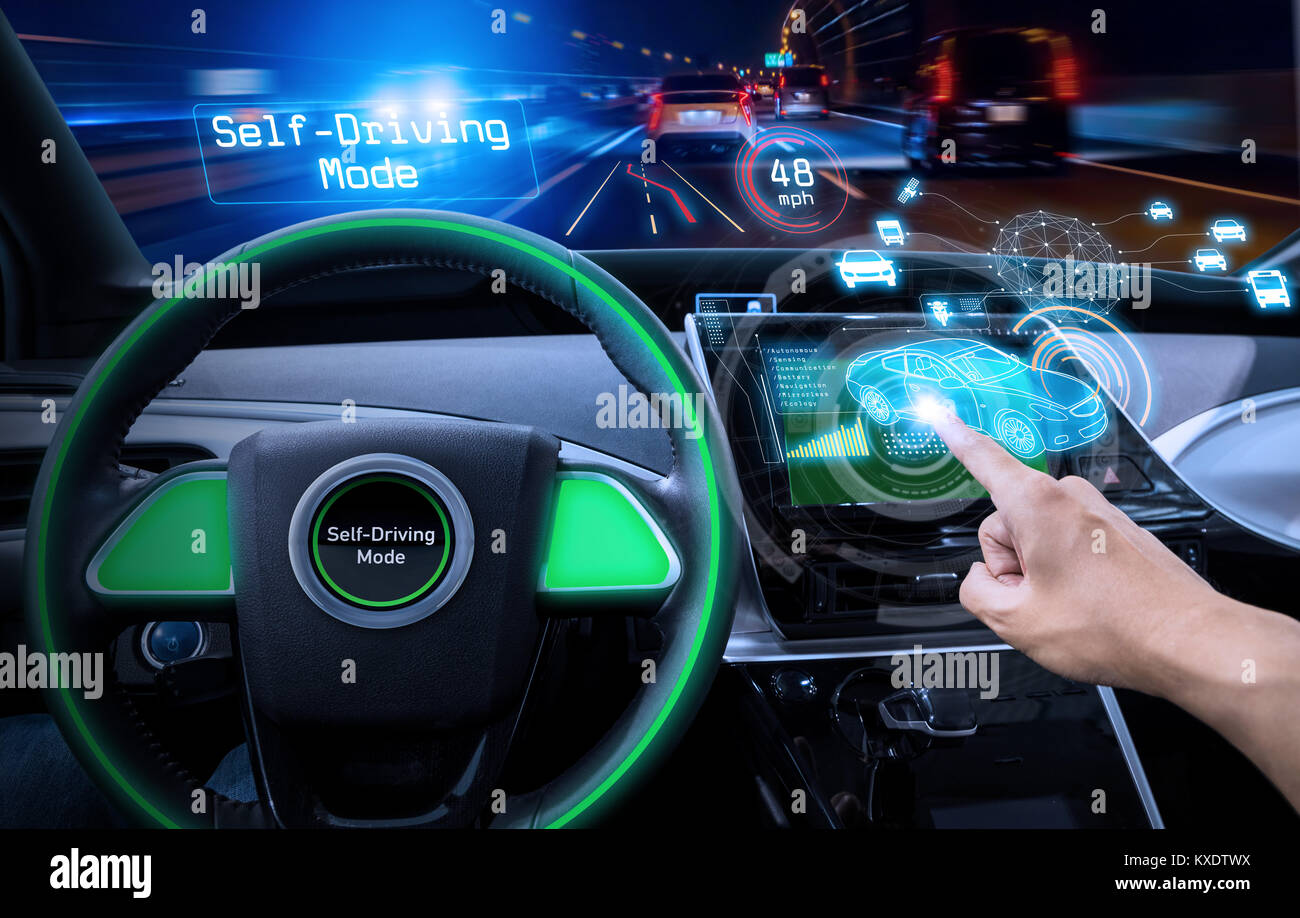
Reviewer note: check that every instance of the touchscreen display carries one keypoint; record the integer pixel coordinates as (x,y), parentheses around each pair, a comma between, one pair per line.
(840,411)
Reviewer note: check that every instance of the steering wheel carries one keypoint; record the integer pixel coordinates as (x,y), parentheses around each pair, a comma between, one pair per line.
(383,687)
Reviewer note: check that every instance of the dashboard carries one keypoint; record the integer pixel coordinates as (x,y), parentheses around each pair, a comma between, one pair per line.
(884,517)
(860,526)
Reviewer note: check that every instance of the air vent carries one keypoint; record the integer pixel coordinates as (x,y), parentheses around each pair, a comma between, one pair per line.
(843,589)
(19,468)
(56,385)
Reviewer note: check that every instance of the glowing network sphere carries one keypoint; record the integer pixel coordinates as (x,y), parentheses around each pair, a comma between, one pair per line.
(1051,260)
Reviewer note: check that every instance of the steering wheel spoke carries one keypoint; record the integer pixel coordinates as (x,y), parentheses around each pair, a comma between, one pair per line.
(606,551)
(167,555)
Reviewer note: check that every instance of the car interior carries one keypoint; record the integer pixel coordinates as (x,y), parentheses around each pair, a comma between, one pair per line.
(399,510)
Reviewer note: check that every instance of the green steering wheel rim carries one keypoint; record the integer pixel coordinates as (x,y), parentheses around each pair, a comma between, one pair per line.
(602,790)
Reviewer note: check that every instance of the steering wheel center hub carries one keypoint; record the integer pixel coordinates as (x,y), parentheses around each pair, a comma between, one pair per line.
(381,540)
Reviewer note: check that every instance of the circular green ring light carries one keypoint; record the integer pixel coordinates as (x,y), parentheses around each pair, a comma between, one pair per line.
(371,603)
(95,385)
(324,591)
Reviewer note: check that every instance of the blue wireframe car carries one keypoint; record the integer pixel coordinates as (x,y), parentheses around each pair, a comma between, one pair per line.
(1028,410)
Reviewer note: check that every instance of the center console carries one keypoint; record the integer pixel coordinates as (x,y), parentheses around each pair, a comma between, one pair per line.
(891,705)
(860,520)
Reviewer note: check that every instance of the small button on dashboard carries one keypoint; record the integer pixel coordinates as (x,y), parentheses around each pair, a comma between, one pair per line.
(163,643)
(1113,474)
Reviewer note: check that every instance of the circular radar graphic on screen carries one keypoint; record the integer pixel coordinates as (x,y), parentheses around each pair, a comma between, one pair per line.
(792,180)
(1051,260)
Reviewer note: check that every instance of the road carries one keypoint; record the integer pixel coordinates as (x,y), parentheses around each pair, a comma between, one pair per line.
(596,193)
(687,203)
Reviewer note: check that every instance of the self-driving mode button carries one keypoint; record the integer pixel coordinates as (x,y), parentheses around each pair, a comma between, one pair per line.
(382,541)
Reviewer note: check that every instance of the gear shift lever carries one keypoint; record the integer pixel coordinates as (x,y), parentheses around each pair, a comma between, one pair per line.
(933,712)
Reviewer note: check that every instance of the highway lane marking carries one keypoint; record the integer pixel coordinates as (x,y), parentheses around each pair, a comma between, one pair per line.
(516,206)
(593,198)
(1183,181)
(690,218)
(701,194)
(888,124)
(654,227)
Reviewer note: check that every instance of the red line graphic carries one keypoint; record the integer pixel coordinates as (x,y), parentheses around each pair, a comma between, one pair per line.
(676,196)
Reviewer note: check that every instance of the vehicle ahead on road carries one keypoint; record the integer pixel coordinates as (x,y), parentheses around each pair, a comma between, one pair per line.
(803,91)
(1209,258)
(865,266)
(708,112)
(1223,230)
(764,90)
(1269,287)
(1028,410)
(1161,211)
(1002,96)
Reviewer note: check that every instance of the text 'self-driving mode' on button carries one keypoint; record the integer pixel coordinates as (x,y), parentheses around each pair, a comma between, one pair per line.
(382,541)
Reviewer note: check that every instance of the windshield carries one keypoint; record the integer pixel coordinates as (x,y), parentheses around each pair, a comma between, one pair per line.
(210,130)
(988,365)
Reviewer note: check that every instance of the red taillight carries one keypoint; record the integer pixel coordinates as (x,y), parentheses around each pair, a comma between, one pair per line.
(745,110)
(826,80)
(780,84)
(944,78)
(656,111)
(1065,77)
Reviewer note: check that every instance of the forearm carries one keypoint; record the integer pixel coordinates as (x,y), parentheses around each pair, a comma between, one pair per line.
(1237,668)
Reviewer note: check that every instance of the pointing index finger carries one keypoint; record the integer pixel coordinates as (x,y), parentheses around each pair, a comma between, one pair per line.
(1001,474)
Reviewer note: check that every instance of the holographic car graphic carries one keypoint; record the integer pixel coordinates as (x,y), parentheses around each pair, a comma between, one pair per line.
(1028,410)
(866,266)
(1223,230)
(1160,209)
(1210,258)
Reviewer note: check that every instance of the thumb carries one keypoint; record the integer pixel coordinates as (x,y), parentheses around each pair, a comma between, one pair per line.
(986,597)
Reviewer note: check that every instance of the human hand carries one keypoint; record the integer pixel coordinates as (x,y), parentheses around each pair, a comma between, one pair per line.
(1071,581)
